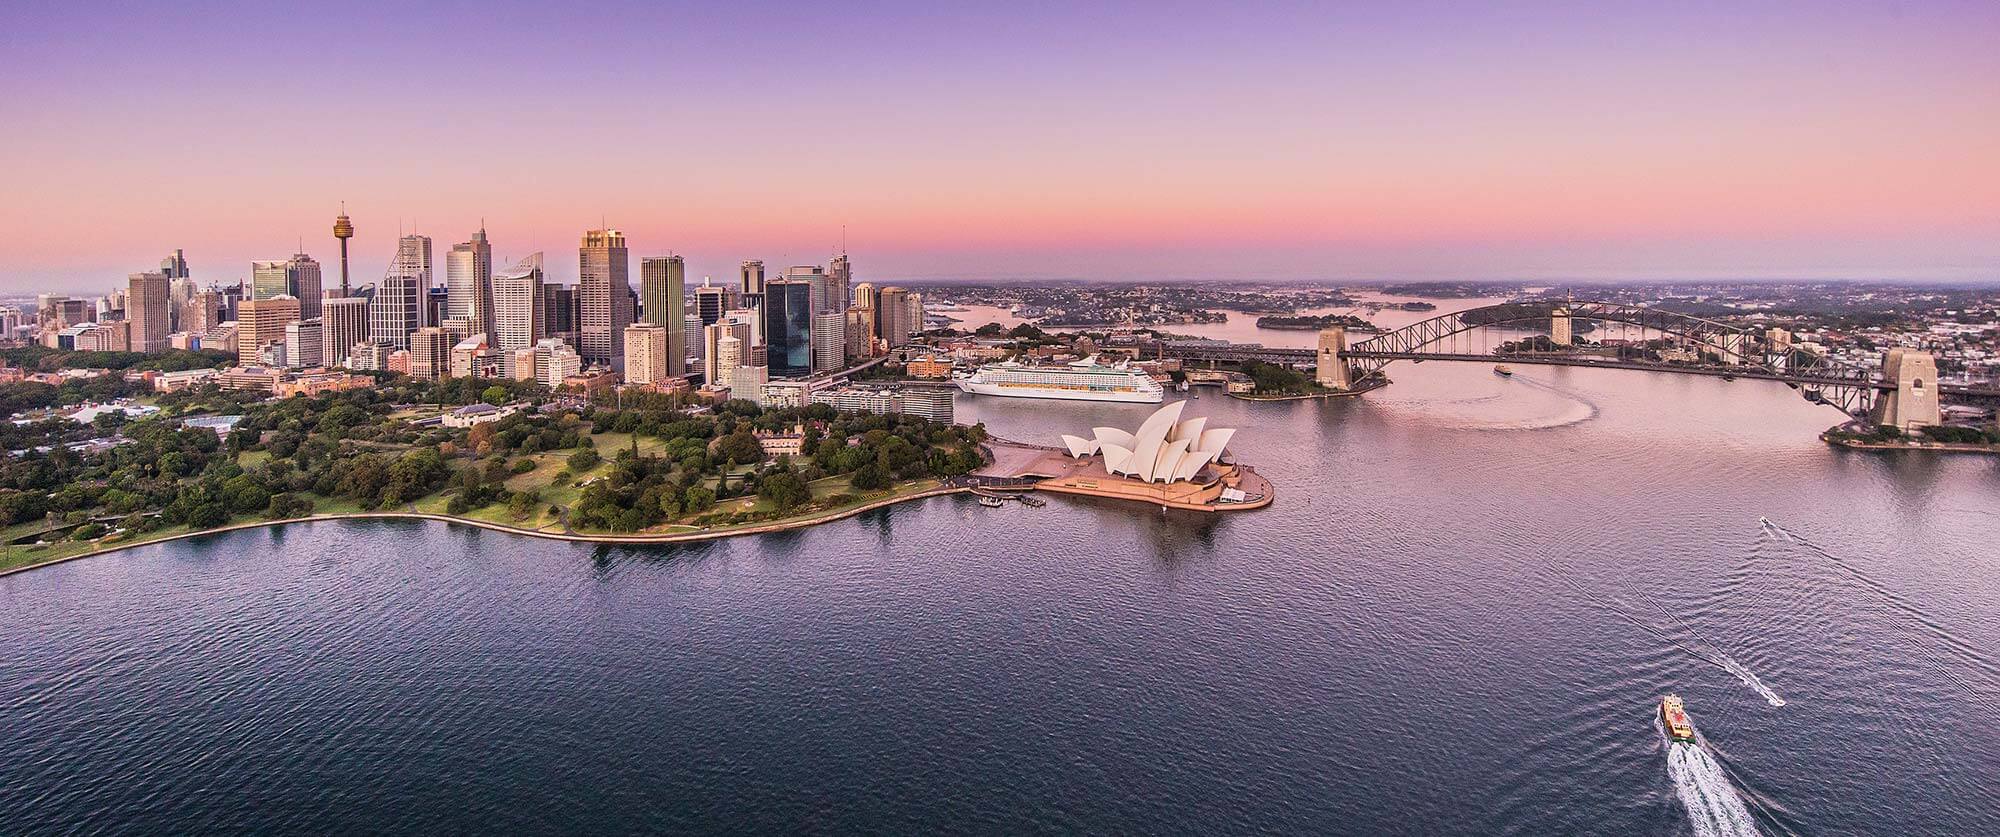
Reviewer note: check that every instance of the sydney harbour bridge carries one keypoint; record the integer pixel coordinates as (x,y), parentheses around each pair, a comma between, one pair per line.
(1902,389)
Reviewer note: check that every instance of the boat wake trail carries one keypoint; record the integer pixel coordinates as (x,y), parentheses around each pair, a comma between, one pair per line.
(1701,647)
(1714,808)
(1722,659)
(1920,624)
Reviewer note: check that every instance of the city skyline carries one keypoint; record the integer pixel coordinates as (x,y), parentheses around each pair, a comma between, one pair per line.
(1544,141)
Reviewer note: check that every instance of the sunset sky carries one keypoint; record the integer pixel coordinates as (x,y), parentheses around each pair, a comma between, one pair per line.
(1318,141)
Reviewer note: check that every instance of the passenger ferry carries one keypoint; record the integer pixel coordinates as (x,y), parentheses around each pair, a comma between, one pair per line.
(1504,371)
(1676,719)
(1084,380)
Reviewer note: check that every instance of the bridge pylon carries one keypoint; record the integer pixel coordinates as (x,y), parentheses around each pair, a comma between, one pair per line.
(1914,401)
(1331,369)
(1559,326)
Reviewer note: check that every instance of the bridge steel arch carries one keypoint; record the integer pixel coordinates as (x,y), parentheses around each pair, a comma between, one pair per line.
(1851,388)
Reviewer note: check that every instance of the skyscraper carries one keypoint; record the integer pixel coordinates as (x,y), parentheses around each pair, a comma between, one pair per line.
(261,322)
(554,361)
(864,296)
(468,282)
(395,311)
(343,229)
(829,341)
(559,312)
(302,274)
(413,259)
(751,277)
(892,314)
(713,368)
(269,279)
(203,312)
(344,322)
(728,356)
(175,266)
(788,327)
(296,277)
(839,275)
(691,326)
(149,309)
(710,302)
(860,332)
(750,318)
(305,344)
(662,289)
(430,353)
(604,295)
(646,355)
(518,317)
(815,278)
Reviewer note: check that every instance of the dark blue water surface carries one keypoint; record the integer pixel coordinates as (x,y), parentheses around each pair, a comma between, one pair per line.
(1459,617)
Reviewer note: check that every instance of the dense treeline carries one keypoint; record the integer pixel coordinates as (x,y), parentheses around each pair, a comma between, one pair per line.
(284,458)
(717,457)
(1272,379)
(46,359)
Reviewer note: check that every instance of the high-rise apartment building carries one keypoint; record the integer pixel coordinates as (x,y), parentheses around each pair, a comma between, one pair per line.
(261,322)
(662,297)
(604,295)
(518,318)
(788,328)
(646,355)
(829,341)
(343,323)
(751,277)
(468,281)
(396,310)
(149,309)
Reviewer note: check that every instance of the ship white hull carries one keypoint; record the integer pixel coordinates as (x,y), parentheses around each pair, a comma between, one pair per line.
(1128,397)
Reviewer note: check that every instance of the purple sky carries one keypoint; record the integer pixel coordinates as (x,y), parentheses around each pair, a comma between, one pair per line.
(1317,141)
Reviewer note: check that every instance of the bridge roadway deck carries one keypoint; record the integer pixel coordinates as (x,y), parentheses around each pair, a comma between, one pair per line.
(1753,372)
(1272,355)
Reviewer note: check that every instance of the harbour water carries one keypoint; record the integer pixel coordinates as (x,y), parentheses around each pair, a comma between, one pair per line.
(1458,618)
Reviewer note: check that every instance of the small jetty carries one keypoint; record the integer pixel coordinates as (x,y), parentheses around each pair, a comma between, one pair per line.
(995,499)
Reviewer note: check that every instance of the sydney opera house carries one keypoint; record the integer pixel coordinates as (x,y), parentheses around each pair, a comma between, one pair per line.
(1165,449)
(1166,462)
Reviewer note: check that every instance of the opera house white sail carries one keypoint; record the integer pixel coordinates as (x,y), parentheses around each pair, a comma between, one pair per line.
(1164,449)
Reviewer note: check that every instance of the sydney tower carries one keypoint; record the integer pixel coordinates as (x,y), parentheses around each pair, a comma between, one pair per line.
(343,229)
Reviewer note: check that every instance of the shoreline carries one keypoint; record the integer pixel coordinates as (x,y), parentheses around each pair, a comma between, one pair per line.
(1932,447)
(1311,396)
(634,539)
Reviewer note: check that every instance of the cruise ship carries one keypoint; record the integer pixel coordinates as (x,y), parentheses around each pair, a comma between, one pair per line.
(1084,380)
